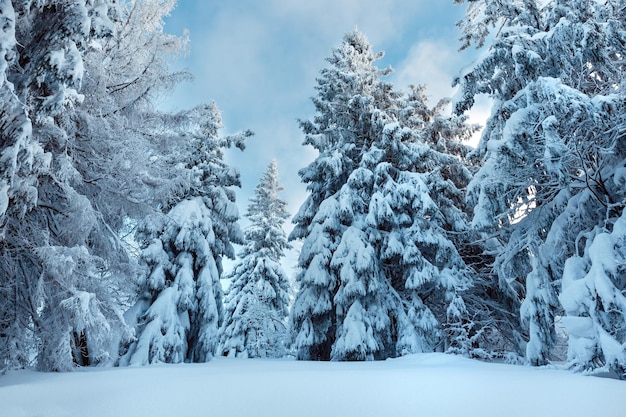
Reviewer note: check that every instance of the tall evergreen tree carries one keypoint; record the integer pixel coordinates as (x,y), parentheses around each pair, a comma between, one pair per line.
(551,150)
(180,309)
(380,275)
(257,302)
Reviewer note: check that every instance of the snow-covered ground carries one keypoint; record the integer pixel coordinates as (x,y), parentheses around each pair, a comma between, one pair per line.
(427,385)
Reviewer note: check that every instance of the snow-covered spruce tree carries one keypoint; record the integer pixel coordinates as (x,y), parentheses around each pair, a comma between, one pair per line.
(551,148)
(180,309)
(380,275)
(478,323)
(257,301)
(313,315)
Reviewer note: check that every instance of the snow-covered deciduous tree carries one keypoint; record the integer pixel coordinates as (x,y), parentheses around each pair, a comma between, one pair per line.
(551,148)
(180,309)
(19,157)
(84,154)
(44,212)
(16,126)
(257,301)
(380,272)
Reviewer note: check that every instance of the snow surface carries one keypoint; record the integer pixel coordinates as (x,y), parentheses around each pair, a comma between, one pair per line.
(427,385)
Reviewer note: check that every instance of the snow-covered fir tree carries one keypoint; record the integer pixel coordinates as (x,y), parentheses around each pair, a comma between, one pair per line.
(380,274)
(551,155)
(257,301)
(180,309)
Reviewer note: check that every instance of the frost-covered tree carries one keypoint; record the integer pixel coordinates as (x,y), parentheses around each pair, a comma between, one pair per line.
(44,214)
(180,309)
(84,156)
(380,273)
(117,124)
(551,149)
(18,148)
(257,301)
(20,157)
(313,314)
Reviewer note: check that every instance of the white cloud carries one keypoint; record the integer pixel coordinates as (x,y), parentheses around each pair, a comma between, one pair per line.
(380,19)
(430,62)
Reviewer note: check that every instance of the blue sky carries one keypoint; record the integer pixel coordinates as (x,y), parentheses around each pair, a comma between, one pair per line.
(258,60)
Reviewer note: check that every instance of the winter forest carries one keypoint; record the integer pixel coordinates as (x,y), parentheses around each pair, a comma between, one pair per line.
(117,217)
